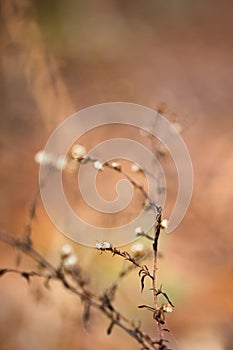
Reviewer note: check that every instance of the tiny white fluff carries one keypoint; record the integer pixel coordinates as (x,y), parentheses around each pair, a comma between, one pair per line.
(135,168)
(106,245)
(167,308)
(138,230)
(137,249)
(164,223)
(43,158)
(103,245)
(70,263)
(66,250)
(99,245)
(98,165)
(116,165)
(78,151)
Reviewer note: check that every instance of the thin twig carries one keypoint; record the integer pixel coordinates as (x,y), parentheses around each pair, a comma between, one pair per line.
(31,216)
(85,160)
(129,258)
(98,302)
(157,229)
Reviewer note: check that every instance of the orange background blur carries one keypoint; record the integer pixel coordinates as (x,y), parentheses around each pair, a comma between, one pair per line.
(60,56)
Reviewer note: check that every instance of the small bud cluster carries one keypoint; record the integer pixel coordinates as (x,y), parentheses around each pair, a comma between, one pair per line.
(103,245)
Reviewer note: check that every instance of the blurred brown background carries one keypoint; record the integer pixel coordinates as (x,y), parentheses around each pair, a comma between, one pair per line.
(60,56)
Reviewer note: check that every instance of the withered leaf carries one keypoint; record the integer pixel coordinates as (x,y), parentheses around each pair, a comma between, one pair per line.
(143,282)
(26,276)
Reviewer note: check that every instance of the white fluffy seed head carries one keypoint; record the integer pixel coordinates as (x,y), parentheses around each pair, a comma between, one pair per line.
(66,250)
(98,166)
(137,249)
(39,157)
(99,245)
(138,230)
(167,308)
(70,263)
(116,165)
(103,245)
(135,168)
(43,158)
(106,245)
(78,152)
(164,224)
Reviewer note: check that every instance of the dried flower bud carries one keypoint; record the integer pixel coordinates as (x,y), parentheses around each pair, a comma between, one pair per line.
(70,263)
(78,152)
(138,230)
(98,166)
(167,308)
(99,245)
(164,224)
(162,151)
(116,166)
(106,245)
(162,107)
(103,245)
(137,249)
(135,168)
(66,250)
